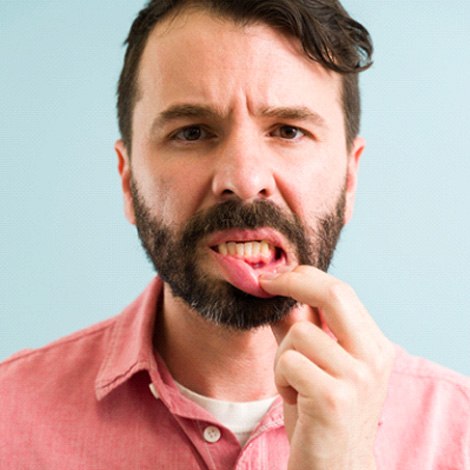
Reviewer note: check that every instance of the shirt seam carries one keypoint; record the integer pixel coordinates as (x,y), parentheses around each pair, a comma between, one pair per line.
(465,388)
(142,365)
(58,343)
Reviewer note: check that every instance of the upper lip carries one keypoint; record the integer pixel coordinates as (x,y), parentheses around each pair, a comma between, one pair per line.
(248,235)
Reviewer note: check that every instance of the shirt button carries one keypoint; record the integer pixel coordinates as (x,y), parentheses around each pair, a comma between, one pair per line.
(212,434)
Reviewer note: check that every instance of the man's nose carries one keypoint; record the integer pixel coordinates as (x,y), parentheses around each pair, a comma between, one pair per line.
(243,170)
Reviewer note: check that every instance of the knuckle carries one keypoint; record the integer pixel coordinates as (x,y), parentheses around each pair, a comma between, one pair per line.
(301,333)
(383,362)
(361,375)
(299,329)
(285,360)
(338,399)
(304,269)
(338,291)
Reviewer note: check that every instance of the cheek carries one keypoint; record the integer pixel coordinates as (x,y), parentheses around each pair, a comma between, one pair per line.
(156,192)
(312,189)
(172,195)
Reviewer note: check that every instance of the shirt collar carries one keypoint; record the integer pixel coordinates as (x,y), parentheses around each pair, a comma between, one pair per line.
(129,345)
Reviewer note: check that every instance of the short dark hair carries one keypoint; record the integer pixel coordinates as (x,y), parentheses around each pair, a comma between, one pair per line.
(327,33)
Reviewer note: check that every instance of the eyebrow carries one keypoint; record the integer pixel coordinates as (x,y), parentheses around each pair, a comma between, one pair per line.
(185,111)
(294,113)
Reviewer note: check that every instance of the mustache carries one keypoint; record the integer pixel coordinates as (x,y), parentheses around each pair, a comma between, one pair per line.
(314,244)
(234,214)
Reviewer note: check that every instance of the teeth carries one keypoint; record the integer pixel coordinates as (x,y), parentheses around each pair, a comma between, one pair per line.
(252,250)
(248,249)
(264,249)
(240,249)
(256,249)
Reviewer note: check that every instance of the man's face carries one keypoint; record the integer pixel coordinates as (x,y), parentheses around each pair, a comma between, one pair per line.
(239,164)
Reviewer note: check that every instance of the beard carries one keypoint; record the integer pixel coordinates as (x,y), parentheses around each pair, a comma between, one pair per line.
(174,255)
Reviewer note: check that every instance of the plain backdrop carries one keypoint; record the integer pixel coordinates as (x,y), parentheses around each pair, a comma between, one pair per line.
(69,259)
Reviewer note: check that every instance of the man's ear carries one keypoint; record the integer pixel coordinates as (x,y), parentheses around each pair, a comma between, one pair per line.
(125,172)
(352,169)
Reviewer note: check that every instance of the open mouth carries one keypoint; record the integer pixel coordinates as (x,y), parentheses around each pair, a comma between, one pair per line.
(242,256)
(258,254)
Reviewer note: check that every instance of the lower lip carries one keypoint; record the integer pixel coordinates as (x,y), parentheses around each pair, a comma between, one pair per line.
(243,276)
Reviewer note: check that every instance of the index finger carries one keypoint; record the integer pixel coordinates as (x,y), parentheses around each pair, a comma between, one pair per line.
(343,312)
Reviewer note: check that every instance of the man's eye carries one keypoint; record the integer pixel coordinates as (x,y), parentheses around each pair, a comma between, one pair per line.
(288,132)
(191,133)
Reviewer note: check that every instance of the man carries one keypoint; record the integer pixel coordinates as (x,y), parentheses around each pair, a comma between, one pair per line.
(238,159)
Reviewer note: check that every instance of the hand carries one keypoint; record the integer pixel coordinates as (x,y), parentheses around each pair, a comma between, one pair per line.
(333,387)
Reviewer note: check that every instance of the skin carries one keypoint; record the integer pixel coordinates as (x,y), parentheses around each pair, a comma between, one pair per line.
(333,391)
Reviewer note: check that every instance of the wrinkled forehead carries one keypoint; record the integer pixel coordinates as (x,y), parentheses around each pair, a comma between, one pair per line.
(186,25)
(224,40)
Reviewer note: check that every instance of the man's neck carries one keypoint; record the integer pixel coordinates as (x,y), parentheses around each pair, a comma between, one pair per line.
(211,360)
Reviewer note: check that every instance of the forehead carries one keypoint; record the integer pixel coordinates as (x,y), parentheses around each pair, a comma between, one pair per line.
(205,58)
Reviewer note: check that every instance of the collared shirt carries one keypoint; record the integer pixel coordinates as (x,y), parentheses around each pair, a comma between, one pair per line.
(101,399)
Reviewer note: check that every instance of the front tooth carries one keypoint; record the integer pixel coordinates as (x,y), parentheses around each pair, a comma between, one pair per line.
(232,248)
(255,249)
(248,249)
(223,249)
(265,252)
(240,249)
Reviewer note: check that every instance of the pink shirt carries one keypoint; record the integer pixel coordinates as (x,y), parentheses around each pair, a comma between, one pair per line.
(84,402)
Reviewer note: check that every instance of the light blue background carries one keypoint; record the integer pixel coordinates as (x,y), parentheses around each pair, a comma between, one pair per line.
(68,258)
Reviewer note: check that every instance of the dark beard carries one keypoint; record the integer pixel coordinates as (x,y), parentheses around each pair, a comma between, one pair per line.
(174,256)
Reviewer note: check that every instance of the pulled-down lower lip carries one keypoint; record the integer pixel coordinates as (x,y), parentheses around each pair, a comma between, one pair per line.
(242,262)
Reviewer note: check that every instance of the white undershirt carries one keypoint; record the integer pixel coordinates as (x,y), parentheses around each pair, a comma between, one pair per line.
(240,417)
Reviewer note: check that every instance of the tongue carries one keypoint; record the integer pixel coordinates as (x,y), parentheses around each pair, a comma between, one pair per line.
(244,276)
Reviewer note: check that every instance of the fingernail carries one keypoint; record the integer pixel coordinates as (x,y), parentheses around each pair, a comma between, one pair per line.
(269,276)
